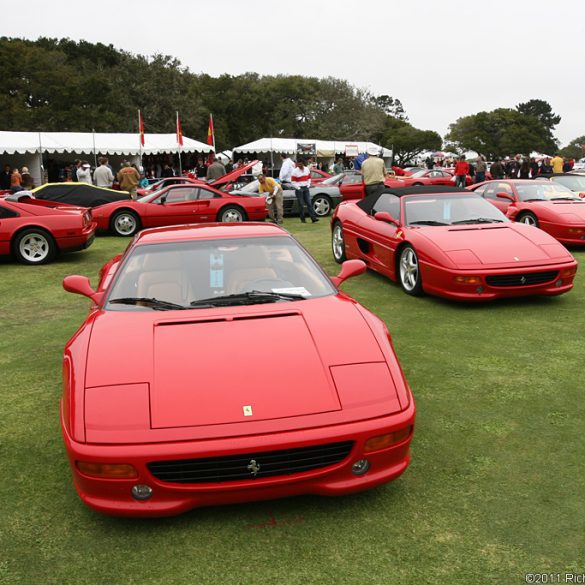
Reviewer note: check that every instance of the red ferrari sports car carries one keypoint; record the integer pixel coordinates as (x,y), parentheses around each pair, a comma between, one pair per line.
(178,204)
(35,233)
(548,205)
(431,177)
(220,364)
(450,243)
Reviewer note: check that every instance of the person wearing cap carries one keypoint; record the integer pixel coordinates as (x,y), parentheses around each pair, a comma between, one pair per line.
(84,173)
(27,180)
(374,172)
(128,177)
(274,201)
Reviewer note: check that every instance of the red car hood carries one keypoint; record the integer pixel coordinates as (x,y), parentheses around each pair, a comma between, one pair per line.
(568,211)
(201,369)
(231,177)
(504,246)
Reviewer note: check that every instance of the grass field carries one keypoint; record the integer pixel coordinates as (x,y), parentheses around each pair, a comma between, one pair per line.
(495,490)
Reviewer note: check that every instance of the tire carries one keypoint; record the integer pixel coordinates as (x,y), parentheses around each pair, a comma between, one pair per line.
(409,271)
(322,205)
(34,246)
(338,243)
(528,218)
(231,214)
(125,223)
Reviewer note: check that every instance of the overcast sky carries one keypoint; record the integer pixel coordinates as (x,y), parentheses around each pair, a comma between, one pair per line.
(443,60)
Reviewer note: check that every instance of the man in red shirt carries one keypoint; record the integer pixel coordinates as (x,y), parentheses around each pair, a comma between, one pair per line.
(461,172)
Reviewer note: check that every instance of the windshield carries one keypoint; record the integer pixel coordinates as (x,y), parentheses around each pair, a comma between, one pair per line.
(573,182)
(450,210)
(333,180)
(544,191)
(206,273)
(151,196)
(420,173)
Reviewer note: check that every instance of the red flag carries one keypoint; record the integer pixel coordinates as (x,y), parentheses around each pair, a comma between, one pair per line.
(179,131)
(141,127)
(211,138)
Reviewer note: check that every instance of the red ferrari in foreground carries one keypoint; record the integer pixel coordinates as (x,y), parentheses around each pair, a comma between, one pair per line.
(178,204)
(450,243)
(174,396)
(35,233)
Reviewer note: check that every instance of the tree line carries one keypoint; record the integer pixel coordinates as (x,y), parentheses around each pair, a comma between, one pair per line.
(63,85)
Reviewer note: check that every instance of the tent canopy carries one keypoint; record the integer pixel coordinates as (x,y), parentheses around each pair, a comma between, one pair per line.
(324,148)
(101,143)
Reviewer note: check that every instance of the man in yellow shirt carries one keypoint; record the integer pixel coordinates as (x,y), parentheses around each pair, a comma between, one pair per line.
(557,164)
(373,172)
(274,199)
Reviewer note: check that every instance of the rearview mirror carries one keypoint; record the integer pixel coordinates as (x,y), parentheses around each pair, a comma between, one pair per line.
(348,269)
(387,217)
(80,285)
(503,195)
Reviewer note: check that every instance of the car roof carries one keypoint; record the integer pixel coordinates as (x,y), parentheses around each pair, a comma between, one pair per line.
(367,204)
(208,231)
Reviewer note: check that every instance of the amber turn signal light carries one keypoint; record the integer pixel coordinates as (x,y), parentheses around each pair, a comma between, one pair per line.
(107,470)
(385,441)
(568,272)
(468,280)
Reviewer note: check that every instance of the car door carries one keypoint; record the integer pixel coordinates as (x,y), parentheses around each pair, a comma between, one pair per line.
(379,238)
(207,205)
(352,187)
(175,205)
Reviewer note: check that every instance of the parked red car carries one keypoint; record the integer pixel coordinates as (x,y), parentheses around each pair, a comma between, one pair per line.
(451,243)
(178,204)
(431,177)
(548,205)
(34,233)
(173,399)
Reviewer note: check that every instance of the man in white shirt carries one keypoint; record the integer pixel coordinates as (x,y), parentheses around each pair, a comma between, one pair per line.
(301,181)
(103,175)
(286,169)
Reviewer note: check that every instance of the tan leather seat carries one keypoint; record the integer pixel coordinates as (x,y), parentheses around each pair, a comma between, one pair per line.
(251,264)
(164,278)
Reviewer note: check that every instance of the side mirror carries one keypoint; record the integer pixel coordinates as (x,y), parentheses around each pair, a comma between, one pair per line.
(387,217)
(507,196)
(80,285)
(348,269)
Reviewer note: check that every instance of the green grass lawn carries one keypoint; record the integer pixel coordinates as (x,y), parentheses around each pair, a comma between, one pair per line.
(496,486)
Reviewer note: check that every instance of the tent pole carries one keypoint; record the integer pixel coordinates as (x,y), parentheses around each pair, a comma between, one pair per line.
(41,169)
(94,152)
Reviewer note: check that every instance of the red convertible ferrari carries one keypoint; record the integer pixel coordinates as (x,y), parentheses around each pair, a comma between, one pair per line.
(450,243)
(35,233)
(548,205)
(220,364)
(178,204)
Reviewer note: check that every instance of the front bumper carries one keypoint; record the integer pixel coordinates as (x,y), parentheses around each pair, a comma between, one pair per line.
(113,496)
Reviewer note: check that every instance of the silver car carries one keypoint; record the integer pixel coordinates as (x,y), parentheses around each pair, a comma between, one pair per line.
(325,198)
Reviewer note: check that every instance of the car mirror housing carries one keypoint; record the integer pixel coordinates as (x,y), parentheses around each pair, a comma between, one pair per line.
(387,217)
(348,269)
(80,285)
(503,195)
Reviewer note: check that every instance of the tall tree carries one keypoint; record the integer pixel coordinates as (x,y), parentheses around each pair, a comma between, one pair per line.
(575,148)
(542,111)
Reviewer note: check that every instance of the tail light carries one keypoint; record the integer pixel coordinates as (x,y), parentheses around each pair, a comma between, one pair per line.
(87,217)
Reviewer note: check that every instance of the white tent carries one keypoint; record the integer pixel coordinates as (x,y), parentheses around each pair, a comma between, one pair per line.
(323,148)
(27,148)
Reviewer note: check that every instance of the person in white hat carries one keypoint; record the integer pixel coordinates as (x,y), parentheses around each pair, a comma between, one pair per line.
(373,172)
(84,173)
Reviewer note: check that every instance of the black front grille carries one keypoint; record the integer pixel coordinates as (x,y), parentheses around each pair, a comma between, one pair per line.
(242,467)
(527,279)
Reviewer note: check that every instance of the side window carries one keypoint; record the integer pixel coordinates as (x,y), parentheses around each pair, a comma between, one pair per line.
(6,213)
(207,194)
(388,202)
(504,188)
(490,191)
(352,179)
(315,175)
(181,194)
(480,190)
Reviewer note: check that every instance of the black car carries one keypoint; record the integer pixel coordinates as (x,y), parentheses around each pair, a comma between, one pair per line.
(79,194)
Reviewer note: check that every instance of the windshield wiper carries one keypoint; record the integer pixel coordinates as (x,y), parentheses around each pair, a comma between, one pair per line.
(151,302)
(247,298)
(478,220)
(565,199)
(427,222)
